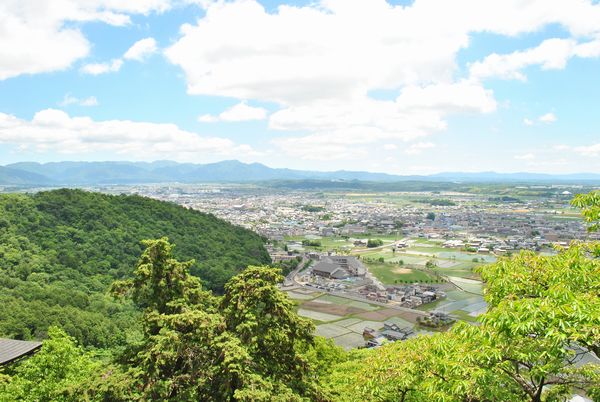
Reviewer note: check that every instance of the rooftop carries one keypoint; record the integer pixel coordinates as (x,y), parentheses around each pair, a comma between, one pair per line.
(11,349)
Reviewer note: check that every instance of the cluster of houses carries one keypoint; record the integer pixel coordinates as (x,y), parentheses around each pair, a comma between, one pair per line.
(436,319)
(497,246)
(391,332)
(374,293)
(414,295)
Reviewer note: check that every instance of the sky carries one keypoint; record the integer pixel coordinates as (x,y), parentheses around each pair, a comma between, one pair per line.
(403,87)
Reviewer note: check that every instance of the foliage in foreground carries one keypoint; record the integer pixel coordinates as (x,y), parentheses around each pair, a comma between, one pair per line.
(242,346)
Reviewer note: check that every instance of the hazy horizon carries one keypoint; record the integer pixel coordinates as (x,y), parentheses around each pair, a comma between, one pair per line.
(447,172)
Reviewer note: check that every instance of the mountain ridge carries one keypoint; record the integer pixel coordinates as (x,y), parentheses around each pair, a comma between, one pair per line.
(125,172)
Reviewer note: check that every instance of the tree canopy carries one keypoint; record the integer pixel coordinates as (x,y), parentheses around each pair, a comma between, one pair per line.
(61,250)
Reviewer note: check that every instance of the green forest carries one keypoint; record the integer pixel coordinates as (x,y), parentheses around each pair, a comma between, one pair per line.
(191,339)
(61,250)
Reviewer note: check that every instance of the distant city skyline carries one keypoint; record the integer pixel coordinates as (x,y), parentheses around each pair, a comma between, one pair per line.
(400,87)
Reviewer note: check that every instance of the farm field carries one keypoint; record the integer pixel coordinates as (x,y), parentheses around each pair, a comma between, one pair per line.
(344,320)
(346,330)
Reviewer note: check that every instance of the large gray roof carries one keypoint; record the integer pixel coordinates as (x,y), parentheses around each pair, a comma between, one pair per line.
(11,349)
(327,267)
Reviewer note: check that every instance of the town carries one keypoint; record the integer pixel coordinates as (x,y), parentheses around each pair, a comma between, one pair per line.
(367,267)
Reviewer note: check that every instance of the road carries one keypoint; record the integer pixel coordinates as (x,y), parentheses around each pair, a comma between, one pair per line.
(290,279)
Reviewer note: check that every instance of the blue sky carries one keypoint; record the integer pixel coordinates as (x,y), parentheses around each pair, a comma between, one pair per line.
(399,87)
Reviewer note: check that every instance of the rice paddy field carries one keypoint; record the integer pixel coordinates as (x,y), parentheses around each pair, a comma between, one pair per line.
(344,320)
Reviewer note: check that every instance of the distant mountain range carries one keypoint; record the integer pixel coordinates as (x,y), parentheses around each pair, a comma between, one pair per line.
(99,173)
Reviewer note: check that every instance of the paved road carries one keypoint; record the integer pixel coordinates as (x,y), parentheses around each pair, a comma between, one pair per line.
(290,279)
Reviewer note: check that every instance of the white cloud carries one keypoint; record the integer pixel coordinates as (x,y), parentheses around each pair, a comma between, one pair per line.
(141,49)
(525,157)
(352,45)
(53,130)
(551,54)
(320,77)
(36,36)
(462,96)
(419,147)
(390,147)
(238,112)
(72,100)
(588,150)
(138,51)
(548,118)
(102,68)
(338,124)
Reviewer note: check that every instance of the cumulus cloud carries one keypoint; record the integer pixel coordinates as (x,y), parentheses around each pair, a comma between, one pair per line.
(238,112)
(321,77)
(588,150)
(551,54)
(37,36)
(351,46)
(417,112)
(548,118)
(72,100)
(102,68)
(141,49)
(54,130)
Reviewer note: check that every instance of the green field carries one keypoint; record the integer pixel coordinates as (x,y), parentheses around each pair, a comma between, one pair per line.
(348,302)
(390,274)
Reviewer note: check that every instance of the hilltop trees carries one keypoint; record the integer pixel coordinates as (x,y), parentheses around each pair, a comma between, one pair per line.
(244,346)
(61,250)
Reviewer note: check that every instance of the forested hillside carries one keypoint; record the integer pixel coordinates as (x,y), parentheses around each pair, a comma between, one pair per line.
(60,250)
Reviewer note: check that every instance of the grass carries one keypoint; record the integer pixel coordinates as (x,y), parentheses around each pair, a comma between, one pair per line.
(429,250)
(393,273)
